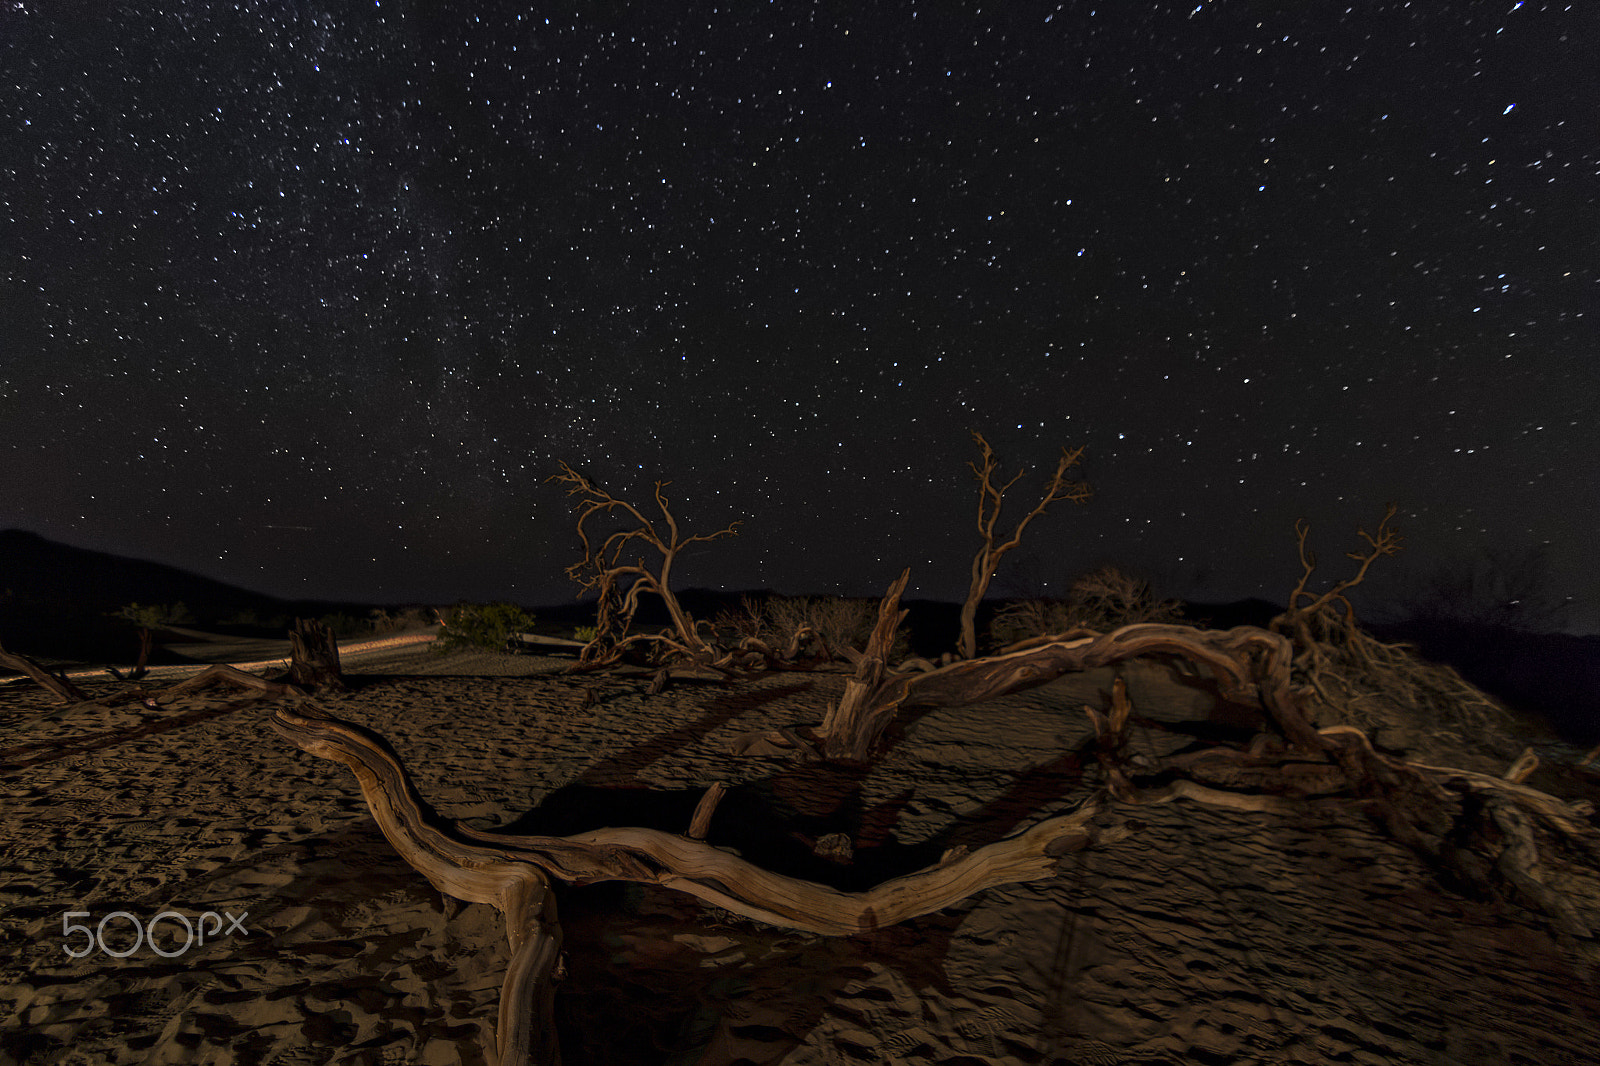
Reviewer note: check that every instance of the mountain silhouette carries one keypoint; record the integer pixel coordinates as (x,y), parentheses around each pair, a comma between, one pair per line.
(56,600)
(38,570)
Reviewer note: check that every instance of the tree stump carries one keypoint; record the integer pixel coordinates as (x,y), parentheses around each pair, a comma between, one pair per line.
(314,656)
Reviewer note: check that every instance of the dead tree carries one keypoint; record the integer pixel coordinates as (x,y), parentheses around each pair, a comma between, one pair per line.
(1315,622)
(991,497)
(1305,608)
(1494,832)
(1365,681)
(1494,841)
(619,584)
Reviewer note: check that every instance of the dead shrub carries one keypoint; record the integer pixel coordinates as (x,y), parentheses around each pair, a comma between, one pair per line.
(1104,599)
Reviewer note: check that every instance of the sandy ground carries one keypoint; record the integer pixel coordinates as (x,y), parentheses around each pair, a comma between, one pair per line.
(1208,937)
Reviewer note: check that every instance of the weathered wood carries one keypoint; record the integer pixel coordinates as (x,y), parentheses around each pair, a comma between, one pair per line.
(64,690)
(220,674)
(851,727)
(436,848)
(473,864)
(314,656)
(527,1033)
(1251,666)
(784,740)
(1519,866)
(1491,843)
(701,822)
(991,497)
(1523,768)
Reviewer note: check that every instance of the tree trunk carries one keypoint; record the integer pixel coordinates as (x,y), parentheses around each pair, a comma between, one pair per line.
(850,728)
(983,568)
(314,656)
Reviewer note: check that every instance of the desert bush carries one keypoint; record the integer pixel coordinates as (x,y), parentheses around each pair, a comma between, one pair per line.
(775,620)
(585,633)
(749,619)
(1025,619)
(155,615)
(254,619)
(1102,600)
(838,621)
(344,625)
(382,620)
(482,625)
(1107,598)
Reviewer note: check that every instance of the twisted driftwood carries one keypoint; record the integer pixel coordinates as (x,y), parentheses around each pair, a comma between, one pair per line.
(64,690)
(1251,667)
(620,584)
(512,872)
(1490,844)
(436,848)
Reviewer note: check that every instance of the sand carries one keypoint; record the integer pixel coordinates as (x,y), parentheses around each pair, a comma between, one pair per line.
(1208,937)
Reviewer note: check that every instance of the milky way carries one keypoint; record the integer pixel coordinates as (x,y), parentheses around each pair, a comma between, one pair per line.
(312,297)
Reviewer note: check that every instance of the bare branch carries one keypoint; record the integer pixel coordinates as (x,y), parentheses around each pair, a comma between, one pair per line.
(991,498)
(602,569)
(1384,542)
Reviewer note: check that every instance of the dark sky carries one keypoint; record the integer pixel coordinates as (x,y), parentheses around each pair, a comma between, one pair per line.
(311,296)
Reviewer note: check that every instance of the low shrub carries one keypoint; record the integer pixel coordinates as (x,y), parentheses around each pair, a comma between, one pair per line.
(1102,600)
(345,626)
(482,625)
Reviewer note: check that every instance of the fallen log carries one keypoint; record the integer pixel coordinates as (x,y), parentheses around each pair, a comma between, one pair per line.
(223,674)
(64,690)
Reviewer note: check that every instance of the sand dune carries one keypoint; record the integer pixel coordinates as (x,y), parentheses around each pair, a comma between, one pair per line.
(1209,936)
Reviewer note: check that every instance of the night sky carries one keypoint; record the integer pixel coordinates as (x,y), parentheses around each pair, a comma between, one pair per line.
(312,296)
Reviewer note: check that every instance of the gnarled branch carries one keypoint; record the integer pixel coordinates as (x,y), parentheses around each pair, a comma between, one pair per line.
(603,570)
(991,497)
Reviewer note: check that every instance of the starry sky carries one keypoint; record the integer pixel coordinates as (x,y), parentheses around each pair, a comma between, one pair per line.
(312,296)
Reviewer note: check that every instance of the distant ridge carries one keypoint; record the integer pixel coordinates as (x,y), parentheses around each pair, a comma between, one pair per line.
(36,569)
(56,599)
